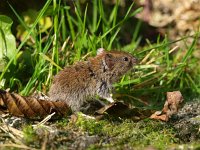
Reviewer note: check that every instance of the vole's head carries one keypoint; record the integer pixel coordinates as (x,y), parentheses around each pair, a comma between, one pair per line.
(117,62)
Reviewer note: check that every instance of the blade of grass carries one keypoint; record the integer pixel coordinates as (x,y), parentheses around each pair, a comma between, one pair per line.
(64,31)
(71,27)
(101,13)
(45,57)
(113,16)
(84,20)
(113,38)
(94,16)
(80,22)
(137,29)
(190,50)
(166,50)
(18,17)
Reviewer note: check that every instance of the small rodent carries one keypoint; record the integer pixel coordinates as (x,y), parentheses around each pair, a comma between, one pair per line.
(77,83)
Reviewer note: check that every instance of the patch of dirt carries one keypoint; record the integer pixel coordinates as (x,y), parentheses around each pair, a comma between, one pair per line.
(187,122)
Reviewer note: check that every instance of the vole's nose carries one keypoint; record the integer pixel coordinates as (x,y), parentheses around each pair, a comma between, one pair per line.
(134,60)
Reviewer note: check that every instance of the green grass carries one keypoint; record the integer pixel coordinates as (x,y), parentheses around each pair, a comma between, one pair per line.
(77,33)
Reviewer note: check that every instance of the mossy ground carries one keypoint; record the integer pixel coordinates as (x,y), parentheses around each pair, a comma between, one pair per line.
(80,132)
(104,134)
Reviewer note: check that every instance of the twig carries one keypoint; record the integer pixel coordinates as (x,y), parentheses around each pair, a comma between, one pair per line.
(17,146)
(45,119)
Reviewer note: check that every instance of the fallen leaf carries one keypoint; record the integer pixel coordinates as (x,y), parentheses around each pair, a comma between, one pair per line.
(31,107)
(121,110)
(171,106)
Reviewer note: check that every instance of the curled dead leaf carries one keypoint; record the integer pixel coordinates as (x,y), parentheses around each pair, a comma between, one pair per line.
(31,107)
(171,106)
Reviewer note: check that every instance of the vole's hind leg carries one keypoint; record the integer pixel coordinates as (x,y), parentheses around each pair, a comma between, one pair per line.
(101,103)
(76,115)
(109,99)
(107,96)
(86,116)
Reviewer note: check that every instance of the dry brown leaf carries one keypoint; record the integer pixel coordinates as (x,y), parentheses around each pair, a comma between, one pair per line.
(121,110)
(30,107)
(171,106)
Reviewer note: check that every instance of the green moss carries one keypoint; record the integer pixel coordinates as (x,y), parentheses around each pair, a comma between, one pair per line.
(130,134)
(30,135)
(90,125)
(62,122)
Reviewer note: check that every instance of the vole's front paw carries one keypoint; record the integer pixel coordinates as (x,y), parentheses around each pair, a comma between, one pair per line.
(110,99)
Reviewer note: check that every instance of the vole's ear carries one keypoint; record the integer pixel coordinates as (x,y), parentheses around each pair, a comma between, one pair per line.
(108,61)
(100,51)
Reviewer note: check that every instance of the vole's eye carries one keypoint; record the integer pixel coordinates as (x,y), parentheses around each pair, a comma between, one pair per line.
(125,59)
